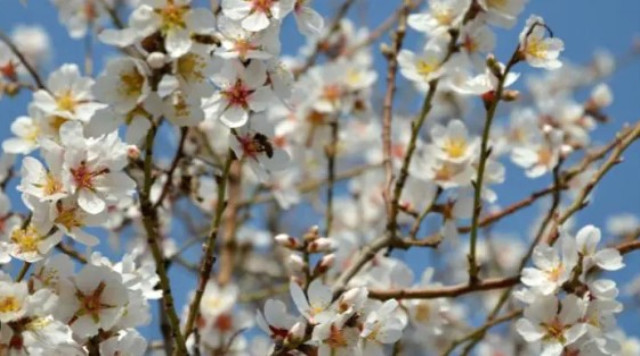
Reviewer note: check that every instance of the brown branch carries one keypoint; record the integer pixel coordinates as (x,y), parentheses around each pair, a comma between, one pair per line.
(34,74)
(206,262)
(330,152)
(150,222)
(485,152)
(444,292)
(174,165)
(384,241)
(565,178)
(227,254)
(479,332)
(622,143)
(71,252)
(387,111)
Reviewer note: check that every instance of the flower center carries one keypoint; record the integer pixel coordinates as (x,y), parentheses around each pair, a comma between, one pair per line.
(555,330)
(426,67)
(190,67)
(66,101)
(536,48)
(238,95)
(354,76)
(455,148)
(27,239)
(132,83)
(423,312)
(83,176)
(51,185)
(172,16)
(33,133)
(91,303)
(243,47)
(9,304)
(469,44)
(555,273)
(68,218)
(443,15)
(262,5)
(332,93)
(544,156)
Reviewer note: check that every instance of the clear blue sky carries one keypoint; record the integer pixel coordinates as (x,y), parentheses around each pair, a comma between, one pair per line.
(584,26)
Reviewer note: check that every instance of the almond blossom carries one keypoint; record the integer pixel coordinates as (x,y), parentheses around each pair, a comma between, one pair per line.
(256,15)
(242,89)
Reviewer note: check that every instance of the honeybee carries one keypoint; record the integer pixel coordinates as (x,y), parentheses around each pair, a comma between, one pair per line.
(264,145)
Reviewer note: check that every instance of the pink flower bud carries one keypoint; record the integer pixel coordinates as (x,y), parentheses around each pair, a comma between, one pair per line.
(322,244)
(325,263)
(296,333)
(287,241)
(133,152)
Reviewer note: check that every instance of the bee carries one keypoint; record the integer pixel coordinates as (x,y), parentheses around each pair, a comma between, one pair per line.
(263,143)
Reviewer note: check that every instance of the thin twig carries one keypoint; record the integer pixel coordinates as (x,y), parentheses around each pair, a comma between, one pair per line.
(227,255)
(174,165)
(34,74)
(387,110)
(331,152)
(150,222)
(23,271)
(206,262)
(482,330)
(485,152)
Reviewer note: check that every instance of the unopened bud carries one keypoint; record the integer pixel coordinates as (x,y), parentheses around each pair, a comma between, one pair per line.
(11,89)
(494,66)
(312,234)
(601,96)
(287,241)
(322,244)
(510,95)
(295,262)
(133,152)
(352,297)
(296,333)
(156,60)
(565,150)
(325,263)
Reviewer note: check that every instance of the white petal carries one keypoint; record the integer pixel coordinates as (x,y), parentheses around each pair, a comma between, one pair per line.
(609,259)
(90,202)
